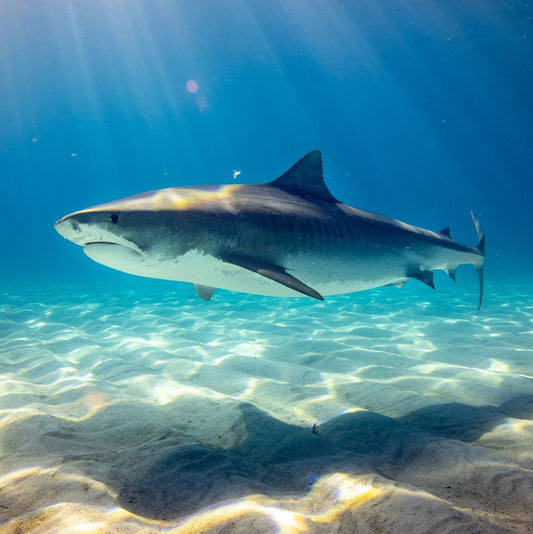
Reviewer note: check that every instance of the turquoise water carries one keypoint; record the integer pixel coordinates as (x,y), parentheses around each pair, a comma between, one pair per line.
(130,405)
(128,408)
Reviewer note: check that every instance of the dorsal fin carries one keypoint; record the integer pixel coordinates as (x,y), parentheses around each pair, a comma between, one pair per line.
(446,232)
(304,179)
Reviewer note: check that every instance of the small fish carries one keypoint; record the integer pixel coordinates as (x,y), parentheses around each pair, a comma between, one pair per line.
(288,237)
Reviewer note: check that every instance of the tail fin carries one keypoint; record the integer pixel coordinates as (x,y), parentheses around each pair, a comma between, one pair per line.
(481,248)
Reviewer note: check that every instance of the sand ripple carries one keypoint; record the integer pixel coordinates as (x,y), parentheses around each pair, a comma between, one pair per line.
(146,409)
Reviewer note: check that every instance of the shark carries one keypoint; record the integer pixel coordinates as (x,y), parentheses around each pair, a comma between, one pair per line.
(285,238)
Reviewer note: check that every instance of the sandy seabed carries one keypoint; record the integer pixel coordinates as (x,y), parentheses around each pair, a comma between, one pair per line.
(145,409)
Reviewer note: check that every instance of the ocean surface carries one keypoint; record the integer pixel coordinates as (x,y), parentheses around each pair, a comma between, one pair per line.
(131,405)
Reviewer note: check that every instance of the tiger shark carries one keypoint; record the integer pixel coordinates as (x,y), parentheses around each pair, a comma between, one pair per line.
(285,238)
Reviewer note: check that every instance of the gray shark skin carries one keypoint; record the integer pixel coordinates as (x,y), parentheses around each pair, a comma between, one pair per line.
(288,237)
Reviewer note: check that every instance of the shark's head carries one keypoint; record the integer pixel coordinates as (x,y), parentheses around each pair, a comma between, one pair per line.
(137,233)
(144,234)
(114,234)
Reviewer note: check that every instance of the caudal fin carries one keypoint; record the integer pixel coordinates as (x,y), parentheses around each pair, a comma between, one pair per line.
(481,248)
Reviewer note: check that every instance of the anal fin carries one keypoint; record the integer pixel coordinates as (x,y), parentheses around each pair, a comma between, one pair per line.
(273,272)
(204,292)
(451,273)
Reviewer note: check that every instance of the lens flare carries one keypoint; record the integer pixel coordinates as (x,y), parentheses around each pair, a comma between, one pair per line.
(192,86)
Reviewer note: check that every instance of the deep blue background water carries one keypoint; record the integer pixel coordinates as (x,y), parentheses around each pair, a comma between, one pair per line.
(423,111)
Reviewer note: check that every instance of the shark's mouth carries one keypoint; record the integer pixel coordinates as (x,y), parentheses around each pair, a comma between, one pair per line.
(90,243)
(120,243)
(115,255)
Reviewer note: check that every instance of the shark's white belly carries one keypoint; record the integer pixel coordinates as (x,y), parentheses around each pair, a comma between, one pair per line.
(208,270)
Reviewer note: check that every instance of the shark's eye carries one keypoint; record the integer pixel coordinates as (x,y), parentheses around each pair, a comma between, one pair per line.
(113,218)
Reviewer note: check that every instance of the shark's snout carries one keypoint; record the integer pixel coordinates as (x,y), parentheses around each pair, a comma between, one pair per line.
(69,228)
(87,231)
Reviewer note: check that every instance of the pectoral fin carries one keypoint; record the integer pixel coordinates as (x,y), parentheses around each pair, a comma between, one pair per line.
(399,283)
(204,292)
(273,272)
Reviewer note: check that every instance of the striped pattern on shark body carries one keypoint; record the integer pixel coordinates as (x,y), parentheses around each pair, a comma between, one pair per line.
(287,237)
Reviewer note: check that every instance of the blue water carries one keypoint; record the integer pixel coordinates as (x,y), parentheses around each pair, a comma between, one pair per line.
(129,404)
(422,110)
